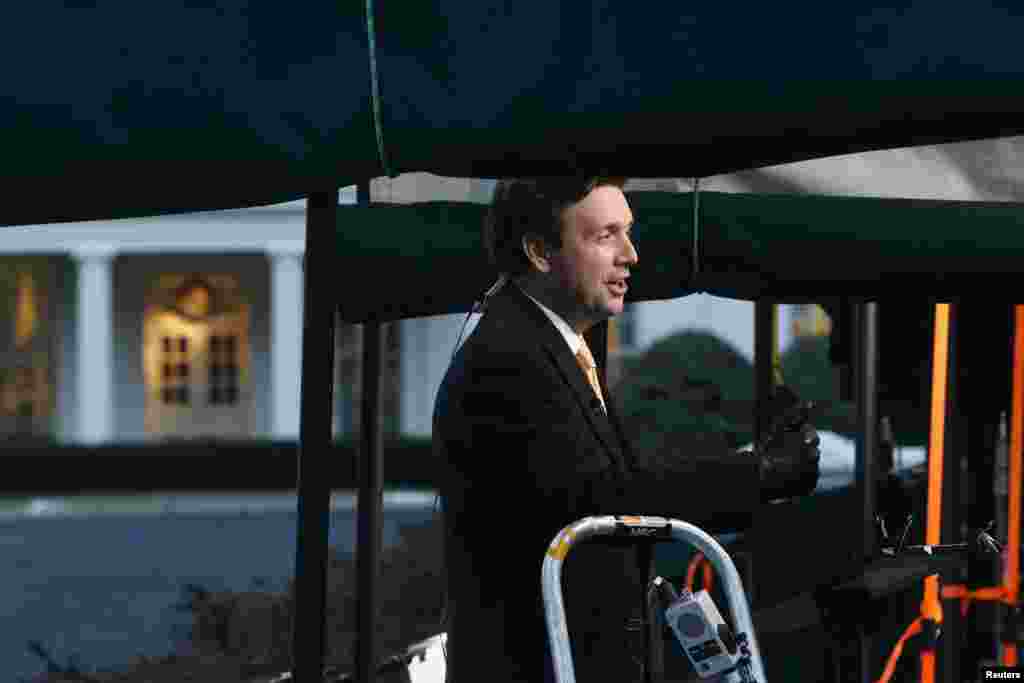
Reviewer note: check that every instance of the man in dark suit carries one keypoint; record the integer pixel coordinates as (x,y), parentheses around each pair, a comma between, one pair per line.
(529,441)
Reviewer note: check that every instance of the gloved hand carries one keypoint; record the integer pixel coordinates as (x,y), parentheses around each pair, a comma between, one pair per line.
(789,453)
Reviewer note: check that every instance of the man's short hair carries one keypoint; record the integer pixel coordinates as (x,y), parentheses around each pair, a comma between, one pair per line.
(532,205)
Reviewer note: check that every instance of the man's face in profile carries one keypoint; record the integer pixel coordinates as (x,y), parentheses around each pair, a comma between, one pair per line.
(596,256)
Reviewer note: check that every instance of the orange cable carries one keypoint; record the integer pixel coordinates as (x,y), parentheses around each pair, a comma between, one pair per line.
(691,570)
(707,575)
(897,650)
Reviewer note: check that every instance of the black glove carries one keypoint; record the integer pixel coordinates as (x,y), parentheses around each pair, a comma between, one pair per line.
(789,453)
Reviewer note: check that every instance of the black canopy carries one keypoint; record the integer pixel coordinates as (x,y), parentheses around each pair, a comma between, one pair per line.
(749,246)
(117,109)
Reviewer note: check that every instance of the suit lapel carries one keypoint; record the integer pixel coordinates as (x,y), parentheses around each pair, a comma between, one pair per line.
(559,353)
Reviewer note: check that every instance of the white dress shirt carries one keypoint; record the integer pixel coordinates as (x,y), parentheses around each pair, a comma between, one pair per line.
(572,338)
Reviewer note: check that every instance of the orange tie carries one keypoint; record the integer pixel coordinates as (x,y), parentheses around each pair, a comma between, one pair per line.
(586,361)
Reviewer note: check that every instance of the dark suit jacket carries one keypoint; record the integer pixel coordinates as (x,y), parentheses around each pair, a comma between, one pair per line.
(522,453)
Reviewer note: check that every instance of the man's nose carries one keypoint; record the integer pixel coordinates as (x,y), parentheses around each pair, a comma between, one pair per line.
(630,254)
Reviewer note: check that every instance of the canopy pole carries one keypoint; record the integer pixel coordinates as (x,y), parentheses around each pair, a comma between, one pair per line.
(371,492)
(951,502)
(866,345)
(931,606)
(867,423)
(766,356)
(766,352)
(315,415)
(1001,498)
(1011,571)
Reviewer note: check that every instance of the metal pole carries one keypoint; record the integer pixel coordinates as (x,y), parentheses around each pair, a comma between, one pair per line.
(867,421)
(952,508)
(1009,655)
(764,362)
(867,448)
(765,345)
(931,604)
(315,415)
(371,493)
(1001,490)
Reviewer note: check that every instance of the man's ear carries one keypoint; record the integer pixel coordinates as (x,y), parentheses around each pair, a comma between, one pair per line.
(537,252)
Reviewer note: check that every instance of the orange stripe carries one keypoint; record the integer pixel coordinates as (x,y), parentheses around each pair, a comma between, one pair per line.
(937,435)
(931,605)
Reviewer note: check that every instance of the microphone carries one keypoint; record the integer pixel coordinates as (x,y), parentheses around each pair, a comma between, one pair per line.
(478,307)
(498,284)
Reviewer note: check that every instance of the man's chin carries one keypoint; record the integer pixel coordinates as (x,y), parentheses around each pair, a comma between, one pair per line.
(610,309)
(614,306)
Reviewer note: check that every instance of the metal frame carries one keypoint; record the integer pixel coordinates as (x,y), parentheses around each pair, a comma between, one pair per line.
(645,529)
(316,414)
(314,480)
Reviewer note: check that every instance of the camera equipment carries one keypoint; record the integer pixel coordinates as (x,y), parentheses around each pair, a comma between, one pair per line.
(983,542)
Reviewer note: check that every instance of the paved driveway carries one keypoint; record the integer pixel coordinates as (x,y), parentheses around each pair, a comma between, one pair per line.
(97,578)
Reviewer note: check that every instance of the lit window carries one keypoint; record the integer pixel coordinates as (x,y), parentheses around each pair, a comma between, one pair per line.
(26,391)
(176,371)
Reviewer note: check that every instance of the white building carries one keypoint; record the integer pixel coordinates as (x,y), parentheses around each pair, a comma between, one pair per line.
(189,326)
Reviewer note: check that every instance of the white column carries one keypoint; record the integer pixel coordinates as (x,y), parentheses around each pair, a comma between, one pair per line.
(412,375)
(95,331)
(286,299)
